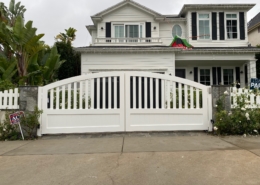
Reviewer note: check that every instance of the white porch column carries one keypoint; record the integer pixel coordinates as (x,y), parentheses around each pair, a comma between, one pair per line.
(251,70)
(172,69)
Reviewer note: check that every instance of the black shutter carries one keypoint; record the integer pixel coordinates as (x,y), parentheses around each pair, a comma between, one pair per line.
(219,75)
(148,32)
(221,26)
(246,77)
(238,74)
(195,74)
(242,25)
(194,25)
(214,75)
(108,29)
(214,26)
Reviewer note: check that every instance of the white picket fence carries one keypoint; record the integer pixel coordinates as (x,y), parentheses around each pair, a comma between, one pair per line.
(9,99)
(252,100)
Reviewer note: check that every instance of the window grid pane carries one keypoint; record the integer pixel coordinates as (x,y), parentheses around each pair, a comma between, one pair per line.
(231,26)
(205,76)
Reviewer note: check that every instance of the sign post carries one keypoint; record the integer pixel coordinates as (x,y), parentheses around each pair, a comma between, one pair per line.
(15,119)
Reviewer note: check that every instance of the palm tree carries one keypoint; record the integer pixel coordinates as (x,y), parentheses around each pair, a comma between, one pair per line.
(67,37)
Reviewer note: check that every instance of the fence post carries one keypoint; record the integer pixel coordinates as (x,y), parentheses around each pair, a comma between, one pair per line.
(28,98)
(217,93)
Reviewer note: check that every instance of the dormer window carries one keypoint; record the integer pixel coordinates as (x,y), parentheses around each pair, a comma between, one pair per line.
(231,26)
(204,25)
(128,30)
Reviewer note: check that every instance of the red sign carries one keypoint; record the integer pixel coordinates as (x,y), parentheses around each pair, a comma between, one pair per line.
(15,117)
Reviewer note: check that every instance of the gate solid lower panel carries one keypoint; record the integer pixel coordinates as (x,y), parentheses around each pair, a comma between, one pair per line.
(165,120)
(80,121)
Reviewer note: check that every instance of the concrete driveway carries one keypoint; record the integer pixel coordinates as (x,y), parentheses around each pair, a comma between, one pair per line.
(191,158)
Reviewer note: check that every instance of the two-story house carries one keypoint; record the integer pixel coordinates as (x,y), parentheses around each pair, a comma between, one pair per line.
(254,30)
(131,37)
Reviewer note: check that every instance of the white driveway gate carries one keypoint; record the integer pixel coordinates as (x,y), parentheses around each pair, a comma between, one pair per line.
(124,101)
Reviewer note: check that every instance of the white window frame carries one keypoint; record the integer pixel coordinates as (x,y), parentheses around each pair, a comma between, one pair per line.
(181,30)
(222,73)
(129,23)
(238,30)
(198,19)
(210,74)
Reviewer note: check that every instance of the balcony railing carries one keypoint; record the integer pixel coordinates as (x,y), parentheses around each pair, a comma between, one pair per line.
(126,41)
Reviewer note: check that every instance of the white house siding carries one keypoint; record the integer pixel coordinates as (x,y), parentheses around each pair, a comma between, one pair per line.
(254,37)
(166,31)
(216,43)
(128,14)
(163,62)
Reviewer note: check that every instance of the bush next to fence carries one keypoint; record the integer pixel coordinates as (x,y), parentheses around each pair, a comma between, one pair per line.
(29,125)
(243,117)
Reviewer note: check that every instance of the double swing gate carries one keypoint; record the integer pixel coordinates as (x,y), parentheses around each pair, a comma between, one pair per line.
(124,101)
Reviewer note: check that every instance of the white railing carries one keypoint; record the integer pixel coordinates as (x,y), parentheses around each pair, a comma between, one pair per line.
(9,99)
(251,99)
(128,40)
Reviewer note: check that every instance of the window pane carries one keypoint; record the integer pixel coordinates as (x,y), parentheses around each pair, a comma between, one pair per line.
(228,16)
(204,30)
(176,30)
(234,15)
(132,31)
(228,76)
(204,16)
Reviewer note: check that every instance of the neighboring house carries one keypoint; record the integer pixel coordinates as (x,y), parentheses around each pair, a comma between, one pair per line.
(131,37)
(254,30)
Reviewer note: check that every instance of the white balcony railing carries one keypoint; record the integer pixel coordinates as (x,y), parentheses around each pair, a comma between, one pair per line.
(127,41)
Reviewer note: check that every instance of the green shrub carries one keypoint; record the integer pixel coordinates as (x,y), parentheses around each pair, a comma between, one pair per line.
(240,120)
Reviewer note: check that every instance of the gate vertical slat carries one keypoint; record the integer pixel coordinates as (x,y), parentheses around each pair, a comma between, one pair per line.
(104,93)
(80,94)
(115,92)
(163,95)
(51,99)
(180,95)
(92,93)
(86,94)
(140,92)
(145,92)
(168,94)
(98,93)
(63,97)
(5,98)
(109,92)
(69,96)
(16,97)
(157,92)
(151,93)
(75,95)
(197,99)
(58,98)
(174,95)
(191,98)
(185,96)
(134,92)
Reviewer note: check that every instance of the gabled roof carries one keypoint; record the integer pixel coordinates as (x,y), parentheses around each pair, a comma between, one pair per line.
(253,23)
(123,3)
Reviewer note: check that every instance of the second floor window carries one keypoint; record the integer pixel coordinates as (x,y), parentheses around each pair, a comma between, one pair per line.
(119,31)
(132,31)
(231,26)
(204,26)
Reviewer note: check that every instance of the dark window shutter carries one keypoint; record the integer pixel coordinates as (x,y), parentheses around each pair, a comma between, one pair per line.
(195,74)
(194,25)
(246,77)
(221,26)
(214,26)
(214,75)
(148,31)
(108,29)
(242,25)
(219,75)
(238,74)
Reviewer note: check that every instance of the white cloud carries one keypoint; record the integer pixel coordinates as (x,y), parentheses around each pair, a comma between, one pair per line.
(52,17)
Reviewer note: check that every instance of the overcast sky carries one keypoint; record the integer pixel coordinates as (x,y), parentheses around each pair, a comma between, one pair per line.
(53,16)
